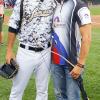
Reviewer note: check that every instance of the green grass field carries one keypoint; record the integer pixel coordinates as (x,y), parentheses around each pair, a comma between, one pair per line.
(95,10)
(91,75)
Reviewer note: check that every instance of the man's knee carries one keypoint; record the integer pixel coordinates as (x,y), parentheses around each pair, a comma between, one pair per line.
(61,95)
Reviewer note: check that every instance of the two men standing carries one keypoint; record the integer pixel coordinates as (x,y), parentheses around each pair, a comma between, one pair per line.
(71,39)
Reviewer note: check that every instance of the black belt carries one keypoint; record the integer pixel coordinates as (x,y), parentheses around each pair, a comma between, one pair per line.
(32,48)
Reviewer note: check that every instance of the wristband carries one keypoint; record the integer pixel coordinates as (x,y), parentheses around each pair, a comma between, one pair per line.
(80,65)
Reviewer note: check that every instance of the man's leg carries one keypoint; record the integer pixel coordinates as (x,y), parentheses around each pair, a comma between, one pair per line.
(25,61)
(73,91)
(59,79)
(42,75)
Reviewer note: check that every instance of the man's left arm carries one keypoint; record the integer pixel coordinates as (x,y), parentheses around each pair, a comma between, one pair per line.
(85,31)
(86,41)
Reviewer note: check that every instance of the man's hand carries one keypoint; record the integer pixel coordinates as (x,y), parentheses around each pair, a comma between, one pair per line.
(76,72)
(9,55)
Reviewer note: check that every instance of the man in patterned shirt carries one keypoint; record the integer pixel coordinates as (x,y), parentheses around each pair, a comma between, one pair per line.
(33,53)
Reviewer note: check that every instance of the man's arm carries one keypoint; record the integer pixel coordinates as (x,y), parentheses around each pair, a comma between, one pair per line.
(86,41)
(85,31)
(13,30)
(11,40)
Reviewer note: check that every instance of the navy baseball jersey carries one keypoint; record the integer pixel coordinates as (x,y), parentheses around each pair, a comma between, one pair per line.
(68,17)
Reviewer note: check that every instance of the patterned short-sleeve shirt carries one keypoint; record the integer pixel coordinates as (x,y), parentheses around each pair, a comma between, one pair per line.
(36,23)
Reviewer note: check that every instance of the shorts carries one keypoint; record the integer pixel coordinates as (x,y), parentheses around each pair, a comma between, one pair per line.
(1,23)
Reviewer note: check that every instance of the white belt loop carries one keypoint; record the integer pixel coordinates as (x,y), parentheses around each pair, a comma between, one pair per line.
(26,47)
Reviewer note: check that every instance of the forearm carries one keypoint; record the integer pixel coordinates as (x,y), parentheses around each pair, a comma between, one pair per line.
(11,40)
(85,44)
(9,52)
(84,51)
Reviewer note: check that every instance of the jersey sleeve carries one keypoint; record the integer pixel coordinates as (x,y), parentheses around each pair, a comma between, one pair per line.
(82,13)
(15,17)
(84,16)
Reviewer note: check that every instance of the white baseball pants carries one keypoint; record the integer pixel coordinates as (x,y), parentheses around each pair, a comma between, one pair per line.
(29,62)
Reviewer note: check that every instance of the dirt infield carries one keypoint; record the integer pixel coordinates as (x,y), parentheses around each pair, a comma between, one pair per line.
(95,21)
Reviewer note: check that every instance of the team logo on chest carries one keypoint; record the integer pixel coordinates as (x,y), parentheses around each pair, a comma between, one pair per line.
(57,22)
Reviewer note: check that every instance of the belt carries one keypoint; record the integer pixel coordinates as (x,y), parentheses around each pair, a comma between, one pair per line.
(33,48)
